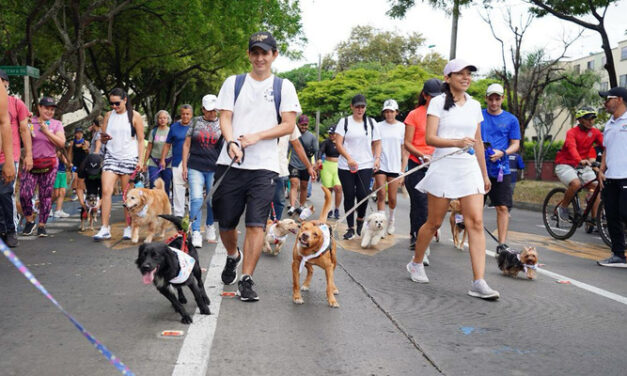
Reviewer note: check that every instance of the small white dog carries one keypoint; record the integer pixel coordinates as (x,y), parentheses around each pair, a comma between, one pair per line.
(276,235)
(374,229)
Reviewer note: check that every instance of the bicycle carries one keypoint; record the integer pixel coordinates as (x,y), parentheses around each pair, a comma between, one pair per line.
(562,230)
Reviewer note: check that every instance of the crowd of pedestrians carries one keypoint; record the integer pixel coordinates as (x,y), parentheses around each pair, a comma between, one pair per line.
(254,137)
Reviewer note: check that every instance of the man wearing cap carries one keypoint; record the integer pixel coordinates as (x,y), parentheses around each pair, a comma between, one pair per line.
(300,171)
(250,123)
(577,151)
(613,173)
(285,142)
(500,132)
(200,153)
(18,117)
(79,148)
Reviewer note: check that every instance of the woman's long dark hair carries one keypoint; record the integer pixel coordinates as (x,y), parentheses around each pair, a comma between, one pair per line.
(119,92)
(450,100)
(422,100)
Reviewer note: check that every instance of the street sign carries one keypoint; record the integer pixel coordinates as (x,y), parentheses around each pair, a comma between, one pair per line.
(21,70)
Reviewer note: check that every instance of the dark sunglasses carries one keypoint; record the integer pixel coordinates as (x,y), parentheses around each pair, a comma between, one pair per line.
(116,104)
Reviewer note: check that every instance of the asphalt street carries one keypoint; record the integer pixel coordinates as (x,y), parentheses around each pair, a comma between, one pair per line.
(386,324)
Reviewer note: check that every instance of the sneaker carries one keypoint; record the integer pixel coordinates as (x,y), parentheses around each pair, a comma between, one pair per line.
(562,213)
(502,247)
(425,260)
(10,239)
(391,227)
(245,289)
(290,211)
(196,239)
(350,234)
(74,197)
(229,273)
(210,234)
(41,232)
(61,214)
(417,272)
(29,228)
(298,210)
(614,262)
(336,213)
(103,234)
(480,289)
(330,215)
(127,233)
(360,225)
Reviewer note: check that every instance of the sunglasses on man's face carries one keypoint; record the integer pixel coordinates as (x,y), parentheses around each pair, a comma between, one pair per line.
(116,104)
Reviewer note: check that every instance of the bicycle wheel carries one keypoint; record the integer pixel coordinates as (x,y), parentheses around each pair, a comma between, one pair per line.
(602,225)
(556,227)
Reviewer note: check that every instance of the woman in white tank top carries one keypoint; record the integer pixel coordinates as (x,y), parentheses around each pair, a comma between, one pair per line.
(123,132)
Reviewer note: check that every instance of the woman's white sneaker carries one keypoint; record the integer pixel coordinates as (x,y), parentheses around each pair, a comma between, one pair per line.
(196,239)
(127,233)
(103,234)
(417,272)
(210,234)
(480,289)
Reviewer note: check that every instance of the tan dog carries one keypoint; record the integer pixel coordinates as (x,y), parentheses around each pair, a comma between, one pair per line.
(315,246)
(457,224)
(276,235)
(144,205)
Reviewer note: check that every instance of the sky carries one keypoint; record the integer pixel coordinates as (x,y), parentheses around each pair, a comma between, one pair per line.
(328,22)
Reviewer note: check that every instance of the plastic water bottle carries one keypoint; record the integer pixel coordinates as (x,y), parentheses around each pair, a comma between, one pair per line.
(500,175)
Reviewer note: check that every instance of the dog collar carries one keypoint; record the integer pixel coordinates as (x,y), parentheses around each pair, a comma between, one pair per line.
(277,239)
(326,234)
(186,264)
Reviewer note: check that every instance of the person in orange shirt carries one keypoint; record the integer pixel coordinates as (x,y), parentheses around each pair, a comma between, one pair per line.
(419,153)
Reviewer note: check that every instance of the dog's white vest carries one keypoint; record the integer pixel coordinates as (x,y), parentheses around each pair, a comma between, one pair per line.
(277,239)
(186,262)
(325,245)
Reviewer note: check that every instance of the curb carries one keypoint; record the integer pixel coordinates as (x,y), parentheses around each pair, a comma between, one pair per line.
(528,206)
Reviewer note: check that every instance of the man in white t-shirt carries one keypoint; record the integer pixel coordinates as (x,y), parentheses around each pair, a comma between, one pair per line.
(249,107)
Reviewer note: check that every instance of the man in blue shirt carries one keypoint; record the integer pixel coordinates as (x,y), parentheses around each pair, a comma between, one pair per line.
(501,130)
(175,139)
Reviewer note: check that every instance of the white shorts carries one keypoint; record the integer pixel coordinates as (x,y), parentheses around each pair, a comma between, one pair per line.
(567,173)
(453,178)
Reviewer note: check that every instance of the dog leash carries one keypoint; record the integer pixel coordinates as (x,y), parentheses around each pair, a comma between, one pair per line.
(114,360)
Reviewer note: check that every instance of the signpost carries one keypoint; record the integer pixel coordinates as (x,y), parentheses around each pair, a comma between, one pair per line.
(23,70)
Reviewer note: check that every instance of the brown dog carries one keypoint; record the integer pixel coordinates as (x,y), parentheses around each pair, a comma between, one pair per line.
(276,234)
(511,262)
(144,206)
(457,224)
(315,246)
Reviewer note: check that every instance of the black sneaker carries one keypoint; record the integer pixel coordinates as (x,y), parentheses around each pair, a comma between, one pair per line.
(350,233)
(41,232)
(29,228)
(330,215)
(229,273)
(245,289)
(614,262)
(360,225)
(10,239)
(336,213)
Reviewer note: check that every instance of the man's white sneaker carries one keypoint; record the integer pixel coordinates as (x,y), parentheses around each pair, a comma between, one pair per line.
(425,260)
(210,234)
(103,234)
(480,289)
(417,272)
(61,214)
(196,239)
(127,233)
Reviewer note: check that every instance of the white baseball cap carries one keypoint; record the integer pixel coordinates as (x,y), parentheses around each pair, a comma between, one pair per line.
(390,104)
(457,65)
(494,89)
(209,102)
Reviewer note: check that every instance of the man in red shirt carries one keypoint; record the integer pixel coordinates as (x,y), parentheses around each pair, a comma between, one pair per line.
(18,114)
(578,151)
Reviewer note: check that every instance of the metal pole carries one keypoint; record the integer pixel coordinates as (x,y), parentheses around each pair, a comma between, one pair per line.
(318,111)
(27,92)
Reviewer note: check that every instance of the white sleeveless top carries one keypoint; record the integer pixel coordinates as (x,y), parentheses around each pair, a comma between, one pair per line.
(122,145)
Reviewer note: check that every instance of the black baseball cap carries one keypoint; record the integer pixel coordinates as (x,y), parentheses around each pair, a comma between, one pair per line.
(4,75)
(432,87)
(358,100)
(47,101)
(263,40)
(78,129)
(93,164)
(331,129)
(617,91)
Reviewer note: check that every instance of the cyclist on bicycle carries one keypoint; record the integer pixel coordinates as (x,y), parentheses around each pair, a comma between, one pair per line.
(578,151)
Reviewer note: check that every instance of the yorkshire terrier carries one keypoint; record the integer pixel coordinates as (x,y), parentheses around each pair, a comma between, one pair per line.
(511,262)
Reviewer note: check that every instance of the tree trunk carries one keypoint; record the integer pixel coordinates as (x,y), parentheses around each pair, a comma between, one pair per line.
(454,23)
(609,58)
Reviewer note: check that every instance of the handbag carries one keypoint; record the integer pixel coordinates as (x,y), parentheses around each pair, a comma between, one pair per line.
(43,165)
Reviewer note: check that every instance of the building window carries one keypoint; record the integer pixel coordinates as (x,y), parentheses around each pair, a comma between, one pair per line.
(577,69)
(604,86)
(623,53)
(590,65)
(623,80)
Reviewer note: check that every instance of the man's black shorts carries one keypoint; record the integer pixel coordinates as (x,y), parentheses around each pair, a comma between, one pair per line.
(388,174)
(501,193)
(300,174)
(241,189)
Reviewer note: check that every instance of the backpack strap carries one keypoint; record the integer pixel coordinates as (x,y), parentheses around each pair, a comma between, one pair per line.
(345,129)
(239,82)
(277,86)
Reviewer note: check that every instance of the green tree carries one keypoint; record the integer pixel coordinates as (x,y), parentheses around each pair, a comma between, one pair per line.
(305,74)
(574,11)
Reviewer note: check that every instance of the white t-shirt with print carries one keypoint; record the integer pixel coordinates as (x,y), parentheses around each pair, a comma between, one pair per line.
(356,143)
(456,123)
(255,112)
(392,139)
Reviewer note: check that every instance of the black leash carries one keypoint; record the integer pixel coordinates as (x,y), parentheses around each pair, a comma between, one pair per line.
(491,235)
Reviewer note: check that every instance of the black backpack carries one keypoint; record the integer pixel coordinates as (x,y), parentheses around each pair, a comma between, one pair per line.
(366,120)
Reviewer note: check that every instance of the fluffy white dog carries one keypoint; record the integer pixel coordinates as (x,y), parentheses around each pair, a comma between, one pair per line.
(374,229)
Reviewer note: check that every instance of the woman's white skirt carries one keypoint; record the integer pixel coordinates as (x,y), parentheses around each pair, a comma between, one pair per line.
(453,178)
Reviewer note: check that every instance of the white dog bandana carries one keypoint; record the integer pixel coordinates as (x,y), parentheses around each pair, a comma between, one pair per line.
(186,262)
(277,239)
(325,245)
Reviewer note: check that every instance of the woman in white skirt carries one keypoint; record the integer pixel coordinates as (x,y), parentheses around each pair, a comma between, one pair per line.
(453,122)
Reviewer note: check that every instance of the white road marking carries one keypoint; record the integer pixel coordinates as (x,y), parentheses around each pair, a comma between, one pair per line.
(553,228)
(574,282)
(195,353)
